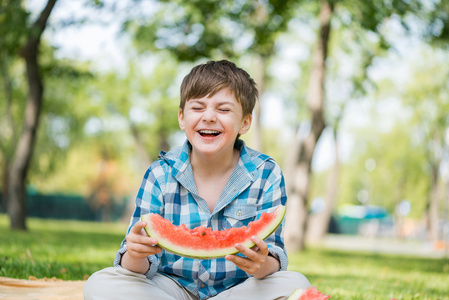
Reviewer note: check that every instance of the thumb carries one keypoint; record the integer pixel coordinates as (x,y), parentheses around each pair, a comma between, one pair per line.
(137,228)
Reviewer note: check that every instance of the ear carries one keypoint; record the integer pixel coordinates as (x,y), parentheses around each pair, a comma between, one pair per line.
(246,124)
(181,119)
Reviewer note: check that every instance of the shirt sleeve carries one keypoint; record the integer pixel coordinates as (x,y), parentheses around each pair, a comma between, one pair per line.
(274,194)
(149,199)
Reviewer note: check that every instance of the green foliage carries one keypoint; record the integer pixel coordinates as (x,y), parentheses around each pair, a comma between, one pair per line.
(144,100)
(206,29)
(85,166)
(65,111)
(90,117)
(390,167)
(189,29)
(426,95)
(93,121)
(371,14)
(13,29)
(407,154)
(436,17)
(12,101)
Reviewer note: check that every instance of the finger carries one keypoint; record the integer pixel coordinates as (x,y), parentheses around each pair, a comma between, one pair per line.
(260,245)
(239,261)
(243,263)
(142,248)
(255,248)
(140,239)
(245,250)
(137,228)
(257,253)
(139,250)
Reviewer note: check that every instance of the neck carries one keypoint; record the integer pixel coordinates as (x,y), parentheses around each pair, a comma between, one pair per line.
(208,165)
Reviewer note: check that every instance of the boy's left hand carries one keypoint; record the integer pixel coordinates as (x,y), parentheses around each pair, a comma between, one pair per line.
(256,260)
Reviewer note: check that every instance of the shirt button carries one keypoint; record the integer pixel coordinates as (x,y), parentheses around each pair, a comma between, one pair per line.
(202,285)
(239,213)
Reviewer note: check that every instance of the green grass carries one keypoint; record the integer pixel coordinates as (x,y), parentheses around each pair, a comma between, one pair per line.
(73,250)
(355,275)
(69,250)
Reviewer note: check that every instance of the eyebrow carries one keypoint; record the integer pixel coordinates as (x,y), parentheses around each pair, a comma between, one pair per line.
(195,100)
(201,101)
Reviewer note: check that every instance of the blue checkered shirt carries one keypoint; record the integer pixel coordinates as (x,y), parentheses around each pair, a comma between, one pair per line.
(168,188)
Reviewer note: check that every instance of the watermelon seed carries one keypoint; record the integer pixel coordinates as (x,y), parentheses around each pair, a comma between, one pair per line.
(204,233)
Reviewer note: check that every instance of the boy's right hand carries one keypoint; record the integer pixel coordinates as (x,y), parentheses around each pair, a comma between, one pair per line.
(139,245)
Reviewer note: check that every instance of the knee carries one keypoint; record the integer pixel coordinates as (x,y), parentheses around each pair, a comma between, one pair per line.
(296,280)
(96,283)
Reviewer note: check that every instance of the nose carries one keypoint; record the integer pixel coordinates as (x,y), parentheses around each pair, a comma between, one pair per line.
(209,115)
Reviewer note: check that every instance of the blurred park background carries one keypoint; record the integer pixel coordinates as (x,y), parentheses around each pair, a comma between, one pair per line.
(354,106)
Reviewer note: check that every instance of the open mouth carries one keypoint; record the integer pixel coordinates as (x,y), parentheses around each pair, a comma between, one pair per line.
(209,133)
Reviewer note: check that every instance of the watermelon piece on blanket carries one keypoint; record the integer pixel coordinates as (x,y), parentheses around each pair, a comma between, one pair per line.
(310,293)
(205,243)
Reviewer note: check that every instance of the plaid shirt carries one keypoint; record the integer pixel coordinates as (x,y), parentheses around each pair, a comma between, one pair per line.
(168,188)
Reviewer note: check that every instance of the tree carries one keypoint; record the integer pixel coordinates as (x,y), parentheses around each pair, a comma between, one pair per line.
(207,29)
(405,160)
(352,52)
(299,189)
(25,145)
(427,93)
(370,15)
(68,106)
(144,99)
(436,33)
(12,30)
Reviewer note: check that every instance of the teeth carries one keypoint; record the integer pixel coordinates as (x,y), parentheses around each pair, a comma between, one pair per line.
(209,132)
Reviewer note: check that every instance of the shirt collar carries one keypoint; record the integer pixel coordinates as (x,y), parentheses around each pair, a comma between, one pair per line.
(179,159)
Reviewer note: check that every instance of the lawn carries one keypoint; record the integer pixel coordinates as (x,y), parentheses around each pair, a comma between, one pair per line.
(73,250)
(70,250)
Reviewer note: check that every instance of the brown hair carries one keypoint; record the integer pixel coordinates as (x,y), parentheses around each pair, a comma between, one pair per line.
(211,77)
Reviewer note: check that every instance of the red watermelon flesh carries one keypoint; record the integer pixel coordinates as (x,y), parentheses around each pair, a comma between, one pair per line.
(310,293)
(205,243)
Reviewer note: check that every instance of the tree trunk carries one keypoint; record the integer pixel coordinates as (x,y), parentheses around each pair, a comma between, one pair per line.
(11,139)
(435,192)
(144,158)
(297,211)
(25,145)
(5,184)
(318,225)
(433,206)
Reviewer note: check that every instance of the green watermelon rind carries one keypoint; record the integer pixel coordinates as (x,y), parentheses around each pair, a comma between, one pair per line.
(213,254)
(308,293)
(296,294)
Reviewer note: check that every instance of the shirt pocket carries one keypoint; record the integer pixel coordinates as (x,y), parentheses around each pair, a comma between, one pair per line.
(241,212)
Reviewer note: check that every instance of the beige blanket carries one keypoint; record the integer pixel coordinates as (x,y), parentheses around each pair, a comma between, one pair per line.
(40,289)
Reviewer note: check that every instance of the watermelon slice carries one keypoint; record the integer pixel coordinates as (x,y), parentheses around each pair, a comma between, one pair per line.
(205,243)
(310,293)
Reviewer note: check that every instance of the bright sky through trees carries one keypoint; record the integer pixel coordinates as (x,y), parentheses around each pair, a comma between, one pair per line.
(99,41)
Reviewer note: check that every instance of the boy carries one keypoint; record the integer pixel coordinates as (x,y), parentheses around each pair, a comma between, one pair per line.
(215,181)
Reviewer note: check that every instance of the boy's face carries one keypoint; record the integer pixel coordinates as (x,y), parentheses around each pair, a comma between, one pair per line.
(212,124)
